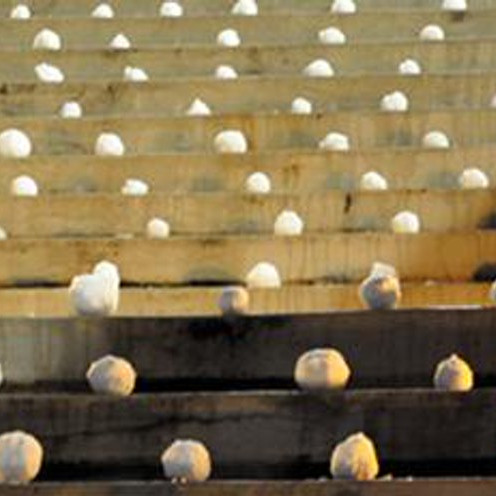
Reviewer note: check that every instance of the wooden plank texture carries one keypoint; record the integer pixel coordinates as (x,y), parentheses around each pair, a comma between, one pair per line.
(396,349)
(311,258)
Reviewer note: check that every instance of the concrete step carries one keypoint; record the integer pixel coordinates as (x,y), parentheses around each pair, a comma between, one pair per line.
(293,171)
(340,257)
(398,348)
(251,94)
(153,135)
(196,301)
(220,214)
(292,28)
(456,57)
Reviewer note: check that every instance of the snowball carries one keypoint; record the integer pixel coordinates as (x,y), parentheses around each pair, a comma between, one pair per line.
(343,7)
(20,12)
(234,300)
(198,108)
(335,142)
(373,181)
(410,67)
(225,72)
(49,73)
(23,186)
(319,68)
(108,145)
(120,42)
(230,141)
(111,375)
(186,461)
(381,289)
(21,456)
(135,187)
(453,374)
(288,223)
(171,9)
(96,294)
(473,179)
(71,110)
(157,229)
(395,102)
(355,459)
(103,11)
(15,144)
(301,106)
(332,36)
(3,237)
(435,139)
(322,369)
(228,38)
(258,183)
(263,275)
(432,32)
(455,5)
(405,222)
(245,8)
(47,39)
(135,74)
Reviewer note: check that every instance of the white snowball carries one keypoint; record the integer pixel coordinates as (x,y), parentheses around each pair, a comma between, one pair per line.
(135,74)
(171,9)
(228,38)
(71,110)
(263,275)
(230,141)
(395,102)
(20,12)
(234,300)
(322,369)
(343,7)
(435,139)
(301,106)
(455,5)
(21,456)
(319,68)
(15,143)
(373,181)
(120,42)
(157,229)
(332,36)
(335,142)
(473,179)
(381,289)
(47,39)
(135,187)
(111,375)
(3,237)
(23,186)
(198,108)
(410,67)
(288,223)
(49,73)
(109,145)
(355,459)
(258,183)
(96,294)
(186,461)
(245,8)
(225,72)
(405,222)
(432,32)
(103,11)
(453,374)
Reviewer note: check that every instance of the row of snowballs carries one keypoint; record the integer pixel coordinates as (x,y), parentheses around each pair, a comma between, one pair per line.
(15,143)
(171,8)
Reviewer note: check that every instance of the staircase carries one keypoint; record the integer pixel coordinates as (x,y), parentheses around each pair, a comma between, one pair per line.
(229,382)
